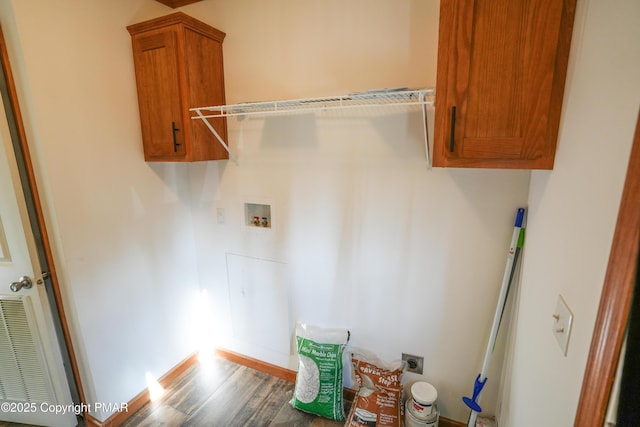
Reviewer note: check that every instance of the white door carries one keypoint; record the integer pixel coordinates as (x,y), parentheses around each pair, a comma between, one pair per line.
(33,385)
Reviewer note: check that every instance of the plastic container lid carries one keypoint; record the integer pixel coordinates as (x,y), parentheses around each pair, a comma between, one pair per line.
(424,393)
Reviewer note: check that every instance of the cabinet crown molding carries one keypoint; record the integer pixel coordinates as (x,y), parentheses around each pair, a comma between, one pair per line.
(177,18)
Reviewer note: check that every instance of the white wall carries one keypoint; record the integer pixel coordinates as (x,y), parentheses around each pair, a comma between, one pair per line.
(364,235)
(122,229)
(573,212)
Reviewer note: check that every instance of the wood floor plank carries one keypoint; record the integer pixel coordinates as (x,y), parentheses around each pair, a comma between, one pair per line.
(225,406)
(161,416)
(288,416)
(266,401)
(226,394)
(8,424)
(198,384)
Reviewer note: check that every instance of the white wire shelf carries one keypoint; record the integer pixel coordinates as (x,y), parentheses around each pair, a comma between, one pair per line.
(372,98)
(399,97)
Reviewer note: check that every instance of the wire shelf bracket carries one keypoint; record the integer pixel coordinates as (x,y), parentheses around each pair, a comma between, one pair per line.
(400,97)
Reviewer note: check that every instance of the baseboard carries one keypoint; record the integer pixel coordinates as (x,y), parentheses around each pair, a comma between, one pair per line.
(258,365)
(289,375)
(143,398)
(445,422)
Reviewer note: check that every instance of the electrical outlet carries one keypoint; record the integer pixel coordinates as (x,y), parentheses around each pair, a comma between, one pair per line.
(563,321)
(414,363)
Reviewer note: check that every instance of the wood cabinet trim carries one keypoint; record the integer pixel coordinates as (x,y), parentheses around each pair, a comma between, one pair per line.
(177,19)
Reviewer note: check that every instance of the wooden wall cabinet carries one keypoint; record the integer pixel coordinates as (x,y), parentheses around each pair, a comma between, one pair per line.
(178,65)
(500,81)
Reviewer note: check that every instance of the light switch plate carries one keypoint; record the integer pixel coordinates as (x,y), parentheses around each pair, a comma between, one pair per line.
(562,322)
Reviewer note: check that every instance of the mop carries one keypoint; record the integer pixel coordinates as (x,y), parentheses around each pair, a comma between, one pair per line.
(517,240)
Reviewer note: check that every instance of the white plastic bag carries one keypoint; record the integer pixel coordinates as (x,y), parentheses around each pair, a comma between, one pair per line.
(319,384)
(379,398)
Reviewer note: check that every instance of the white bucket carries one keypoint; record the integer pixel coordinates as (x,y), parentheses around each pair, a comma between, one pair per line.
(423,396)
(420,408)
(411,420)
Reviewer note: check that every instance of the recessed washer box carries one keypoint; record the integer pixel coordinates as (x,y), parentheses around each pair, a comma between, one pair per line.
(257,215)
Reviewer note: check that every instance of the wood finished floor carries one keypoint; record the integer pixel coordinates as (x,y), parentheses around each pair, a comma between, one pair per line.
(222,393)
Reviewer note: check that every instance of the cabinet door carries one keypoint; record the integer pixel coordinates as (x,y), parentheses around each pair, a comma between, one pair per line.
(501,71)
(204,86)
(158,80)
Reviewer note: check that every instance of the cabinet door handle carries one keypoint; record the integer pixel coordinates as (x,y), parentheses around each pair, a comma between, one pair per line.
(174,129)
(452,135)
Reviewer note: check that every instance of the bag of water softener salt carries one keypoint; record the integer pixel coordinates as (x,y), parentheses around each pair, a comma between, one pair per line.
(318,388)
(378,401)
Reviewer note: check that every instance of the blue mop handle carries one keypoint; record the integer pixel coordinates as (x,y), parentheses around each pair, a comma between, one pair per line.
(477,388)
(504,288)
(519,218)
